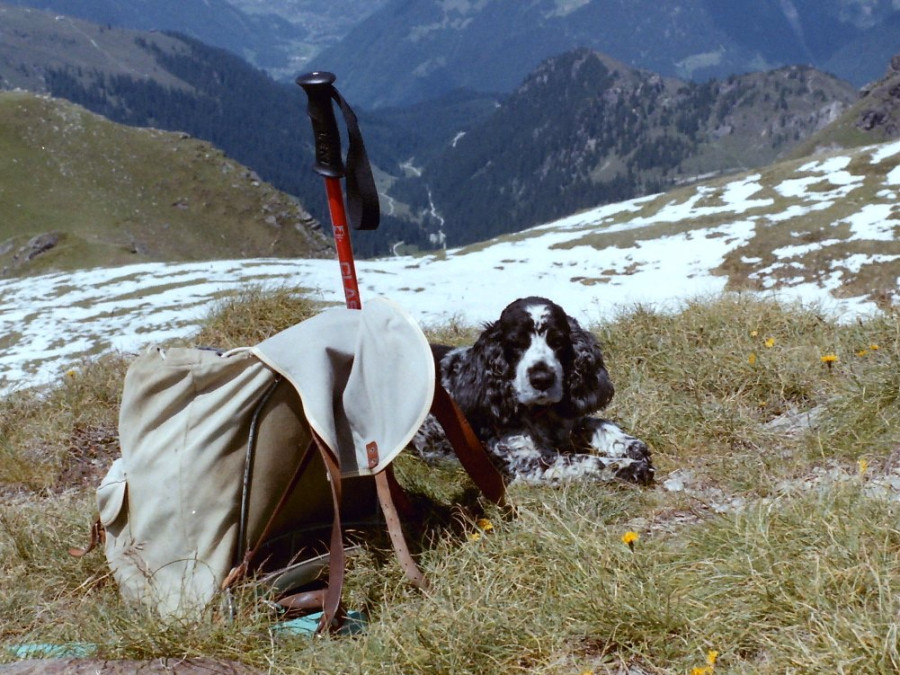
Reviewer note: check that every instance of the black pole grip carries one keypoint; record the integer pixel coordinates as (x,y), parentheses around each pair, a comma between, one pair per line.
(319,89)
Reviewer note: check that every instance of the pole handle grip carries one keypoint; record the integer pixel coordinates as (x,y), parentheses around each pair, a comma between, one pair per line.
(319,90)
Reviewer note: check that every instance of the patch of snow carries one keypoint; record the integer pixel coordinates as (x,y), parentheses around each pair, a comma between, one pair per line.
(893,176)
(735,195)
(410,169)
(855,262)
(796,187)
(738,193)
(796,211)
(51,322)
(802,249)
(883,152)
(827,166)
(799,187)
(873,222)
(592,218)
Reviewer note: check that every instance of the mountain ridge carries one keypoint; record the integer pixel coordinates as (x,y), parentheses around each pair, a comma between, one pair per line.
(626,132)
(178,83)
(490,45)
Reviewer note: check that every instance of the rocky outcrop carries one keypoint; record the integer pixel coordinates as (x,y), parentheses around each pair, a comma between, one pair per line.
(880,113)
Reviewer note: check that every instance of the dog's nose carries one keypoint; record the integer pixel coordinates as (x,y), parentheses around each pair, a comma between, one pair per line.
(541,377)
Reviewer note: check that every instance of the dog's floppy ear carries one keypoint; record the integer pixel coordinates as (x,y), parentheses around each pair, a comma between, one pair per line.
(480,380)
(590,388)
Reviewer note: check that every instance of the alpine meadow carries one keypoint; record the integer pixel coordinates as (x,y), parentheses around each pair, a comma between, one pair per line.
(720,209)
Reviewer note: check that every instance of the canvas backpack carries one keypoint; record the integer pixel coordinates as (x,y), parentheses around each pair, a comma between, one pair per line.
(253,462)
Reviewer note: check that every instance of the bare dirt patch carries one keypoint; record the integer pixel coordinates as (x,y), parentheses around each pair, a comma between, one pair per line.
(91,451)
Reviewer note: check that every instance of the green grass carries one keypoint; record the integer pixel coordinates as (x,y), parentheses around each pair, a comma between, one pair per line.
(781,553)
(113,194)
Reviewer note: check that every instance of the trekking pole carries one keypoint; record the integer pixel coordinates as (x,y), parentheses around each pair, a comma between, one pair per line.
(363,198)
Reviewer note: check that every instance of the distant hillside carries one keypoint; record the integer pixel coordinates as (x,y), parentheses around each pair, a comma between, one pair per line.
(35,43)
(412,51)
(77,190)
(584,129)
(323,23)
(874,118)
(264,39)
(396,52)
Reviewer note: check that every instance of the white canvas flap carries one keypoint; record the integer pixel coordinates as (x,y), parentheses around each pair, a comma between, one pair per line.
(366,379)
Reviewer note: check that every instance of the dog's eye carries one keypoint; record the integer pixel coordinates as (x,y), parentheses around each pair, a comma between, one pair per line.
(519,339)
(554,339)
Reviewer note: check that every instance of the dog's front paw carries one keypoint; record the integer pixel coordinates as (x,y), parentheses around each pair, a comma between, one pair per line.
(627,456)
(637,469)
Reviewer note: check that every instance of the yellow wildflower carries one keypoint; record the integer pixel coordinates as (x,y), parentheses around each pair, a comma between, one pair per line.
(484,525)
(754,333)
(862,464)
(770,342)
(751,359)
(829,358)
(710,666)
(874,348)
(861,352)
(71,373)
(629,538)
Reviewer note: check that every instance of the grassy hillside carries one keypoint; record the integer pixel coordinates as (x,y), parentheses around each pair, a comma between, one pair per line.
(769,545)
(264,39)
(77,191)
(36,41)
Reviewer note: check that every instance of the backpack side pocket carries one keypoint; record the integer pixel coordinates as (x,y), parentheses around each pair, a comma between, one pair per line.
(112,495)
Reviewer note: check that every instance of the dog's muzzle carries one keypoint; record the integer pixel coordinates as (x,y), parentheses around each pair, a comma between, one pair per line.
(541,377)
(539,384)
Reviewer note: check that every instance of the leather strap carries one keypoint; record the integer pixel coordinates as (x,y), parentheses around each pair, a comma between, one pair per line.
(304,601)
(331,614)
(395,531)
(98,536)
(468,448)
(239,571)
(328,599)
(398,495)
(362,195)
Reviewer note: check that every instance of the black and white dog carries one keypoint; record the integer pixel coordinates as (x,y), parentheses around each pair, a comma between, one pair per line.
(528,387)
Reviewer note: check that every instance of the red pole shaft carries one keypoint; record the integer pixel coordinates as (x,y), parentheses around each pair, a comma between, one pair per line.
(342,242)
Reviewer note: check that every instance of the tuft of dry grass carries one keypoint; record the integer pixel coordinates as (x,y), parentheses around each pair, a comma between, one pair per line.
(778,545)
(254,314)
